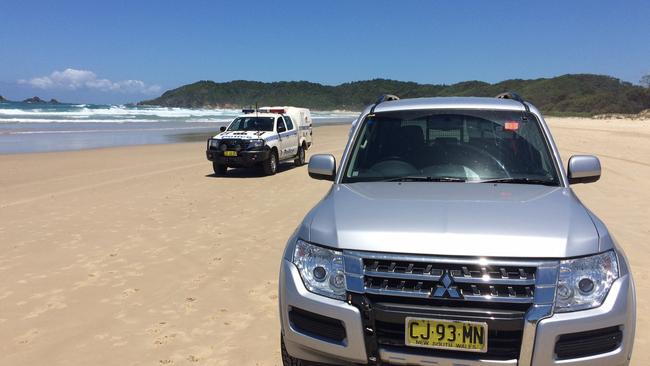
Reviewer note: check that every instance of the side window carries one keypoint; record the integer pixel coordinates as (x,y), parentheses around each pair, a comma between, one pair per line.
(281,125)
(289,123)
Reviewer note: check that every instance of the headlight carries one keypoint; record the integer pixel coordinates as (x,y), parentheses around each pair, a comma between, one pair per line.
(214,143)
(321,269)
(255,143)
(584,282)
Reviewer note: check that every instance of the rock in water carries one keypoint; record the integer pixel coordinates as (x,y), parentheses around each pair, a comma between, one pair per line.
(34,100)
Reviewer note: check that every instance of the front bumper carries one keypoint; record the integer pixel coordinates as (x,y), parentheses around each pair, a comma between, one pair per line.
(243,158)
(294,294)
(618,310)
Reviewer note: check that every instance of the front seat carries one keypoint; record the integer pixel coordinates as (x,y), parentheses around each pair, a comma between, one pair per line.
(410,141)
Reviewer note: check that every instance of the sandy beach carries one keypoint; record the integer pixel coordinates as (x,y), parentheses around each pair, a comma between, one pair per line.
(139,256)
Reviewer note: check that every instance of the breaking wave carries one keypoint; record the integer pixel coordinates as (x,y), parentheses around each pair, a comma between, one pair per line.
(28,113)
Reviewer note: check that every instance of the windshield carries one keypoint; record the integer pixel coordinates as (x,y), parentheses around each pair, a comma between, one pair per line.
(453,146)
(252,124)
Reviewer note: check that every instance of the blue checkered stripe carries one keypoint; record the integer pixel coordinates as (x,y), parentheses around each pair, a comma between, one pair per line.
(283,134)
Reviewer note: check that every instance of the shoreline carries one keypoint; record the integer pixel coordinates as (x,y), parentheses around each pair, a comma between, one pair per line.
(79,136)
(30,127)
(174,135)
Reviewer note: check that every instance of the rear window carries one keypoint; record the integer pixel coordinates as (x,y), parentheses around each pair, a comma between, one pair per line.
(289,122)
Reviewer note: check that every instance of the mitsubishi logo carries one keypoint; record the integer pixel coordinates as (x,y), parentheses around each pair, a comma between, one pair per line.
(445,288)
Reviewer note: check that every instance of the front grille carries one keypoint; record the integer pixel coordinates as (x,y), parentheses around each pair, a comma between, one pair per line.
(584,344)
(389,287)
(473,282)
(235,144)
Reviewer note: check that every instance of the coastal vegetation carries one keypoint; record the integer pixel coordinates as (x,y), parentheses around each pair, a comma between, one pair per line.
(572,94)
(645,81)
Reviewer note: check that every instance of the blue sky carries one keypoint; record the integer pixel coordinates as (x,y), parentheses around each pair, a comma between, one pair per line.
(120,51)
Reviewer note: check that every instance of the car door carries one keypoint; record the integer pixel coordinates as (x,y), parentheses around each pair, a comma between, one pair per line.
(281,129)
(292,137)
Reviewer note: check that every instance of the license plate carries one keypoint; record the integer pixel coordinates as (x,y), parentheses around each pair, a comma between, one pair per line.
(446,334)
(230,153)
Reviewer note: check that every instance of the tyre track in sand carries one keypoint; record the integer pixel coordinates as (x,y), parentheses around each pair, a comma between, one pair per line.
(98,185)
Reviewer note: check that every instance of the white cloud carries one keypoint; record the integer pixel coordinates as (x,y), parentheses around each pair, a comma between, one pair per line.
(72,79)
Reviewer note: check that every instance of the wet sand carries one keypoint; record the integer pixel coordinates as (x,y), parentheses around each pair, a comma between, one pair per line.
(139,256)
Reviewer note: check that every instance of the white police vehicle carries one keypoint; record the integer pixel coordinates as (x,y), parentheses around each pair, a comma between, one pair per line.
(262,137)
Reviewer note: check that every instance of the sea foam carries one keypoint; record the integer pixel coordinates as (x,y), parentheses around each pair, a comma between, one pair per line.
(28,113)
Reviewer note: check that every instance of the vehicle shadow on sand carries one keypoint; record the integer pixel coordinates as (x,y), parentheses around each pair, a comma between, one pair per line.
(252,172)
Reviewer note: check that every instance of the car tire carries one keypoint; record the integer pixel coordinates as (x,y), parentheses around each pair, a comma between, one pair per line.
(300,158)
(270,166)
(219,169)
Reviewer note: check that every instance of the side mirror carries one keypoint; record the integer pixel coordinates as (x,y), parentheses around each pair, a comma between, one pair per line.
(222,129)
(281,129)
(583,169)
(322,166)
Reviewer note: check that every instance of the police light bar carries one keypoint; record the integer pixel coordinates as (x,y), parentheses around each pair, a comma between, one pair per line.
(247,110)
(277,110)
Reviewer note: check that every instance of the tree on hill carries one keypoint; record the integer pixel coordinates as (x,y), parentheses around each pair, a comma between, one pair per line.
(645,81)
(574,94)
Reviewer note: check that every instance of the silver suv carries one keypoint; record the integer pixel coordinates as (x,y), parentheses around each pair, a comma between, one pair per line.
(451,236)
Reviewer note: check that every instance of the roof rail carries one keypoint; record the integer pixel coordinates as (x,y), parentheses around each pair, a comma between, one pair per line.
(514,96)
(381,99)
(386,98)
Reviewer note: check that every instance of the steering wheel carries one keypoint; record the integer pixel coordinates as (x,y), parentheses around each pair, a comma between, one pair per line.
(390,157)
(490,156)
(394,165)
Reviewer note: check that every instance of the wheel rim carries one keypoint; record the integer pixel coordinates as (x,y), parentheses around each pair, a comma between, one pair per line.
(273,163)
(302,155)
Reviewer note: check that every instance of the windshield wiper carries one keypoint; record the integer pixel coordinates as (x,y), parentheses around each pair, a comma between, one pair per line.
(425,179)
(519,181)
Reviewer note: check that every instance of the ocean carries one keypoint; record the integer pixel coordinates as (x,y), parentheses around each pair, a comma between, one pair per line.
(26,128)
